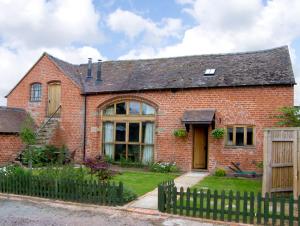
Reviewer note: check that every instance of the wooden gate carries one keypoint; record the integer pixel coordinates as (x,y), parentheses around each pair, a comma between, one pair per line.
(281,160)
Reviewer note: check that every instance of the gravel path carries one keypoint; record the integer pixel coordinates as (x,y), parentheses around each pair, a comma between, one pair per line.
(25,213)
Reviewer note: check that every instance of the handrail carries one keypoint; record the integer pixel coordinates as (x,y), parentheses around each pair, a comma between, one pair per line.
(51,116)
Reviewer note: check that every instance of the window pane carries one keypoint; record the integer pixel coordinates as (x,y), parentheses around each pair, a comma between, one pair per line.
(147,109)
(134,153)
(134,132)
(120,131)
(239,136)
(120,152)
(230,136)
(147,154)
(108,132)
(249,136)
(109,150)
(147,132)
(35,94)
(109,110)
(121,108)
(134,108)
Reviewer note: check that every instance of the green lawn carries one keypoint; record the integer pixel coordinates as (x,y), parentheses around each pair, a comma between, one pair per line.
(228,183)
(142,182)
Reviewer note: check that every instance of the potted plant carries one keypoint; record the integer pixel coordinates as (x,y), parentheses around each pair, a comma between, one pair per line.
(218,133)
(180,133)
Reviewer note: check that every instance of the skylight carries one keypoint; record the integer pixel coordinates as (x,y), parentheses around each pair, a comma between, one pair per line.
(210,72)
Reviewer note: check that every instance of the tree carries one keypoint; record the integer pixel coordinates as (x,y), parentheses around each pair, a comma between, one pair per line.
(290,116)
(28,136)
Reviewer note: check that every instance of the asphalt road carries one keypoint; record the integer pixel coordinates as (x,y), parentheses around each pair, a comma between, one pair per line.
(27,213)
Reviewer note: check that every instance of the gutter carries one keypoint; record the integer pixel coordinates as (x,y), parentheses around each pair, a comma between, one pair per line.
(84,128)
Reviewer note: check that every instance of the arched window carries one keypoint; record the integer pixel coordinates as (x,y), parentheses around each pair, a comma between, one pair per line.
(128,131)
(36,92)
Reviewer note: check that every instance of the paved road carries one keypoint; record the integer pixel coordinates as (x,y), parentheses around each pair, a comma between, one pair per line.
(25,213)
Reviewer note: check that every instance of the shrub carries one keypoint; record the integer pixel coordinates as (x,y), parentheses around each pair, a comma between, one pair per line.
(180,133)
(164,167)
(220,172)
(41,156)
(100,168)
(218,133)
(14,170)
(64,173)
(128,163)
(128,195)
(289,116)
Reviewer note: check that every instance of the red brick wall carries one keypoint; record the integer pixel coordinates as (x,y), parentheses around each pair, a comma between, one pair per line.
(239,105)
(10,146)
(71,122)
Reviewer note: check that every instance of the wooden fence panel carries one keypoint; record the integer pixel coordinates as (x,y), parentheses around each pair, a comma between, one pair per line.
(281,157)
(228,206)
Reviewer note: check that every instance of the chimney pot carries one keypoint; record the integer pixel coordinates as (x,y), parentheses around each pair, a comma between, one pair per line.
(89,72)
(99,70)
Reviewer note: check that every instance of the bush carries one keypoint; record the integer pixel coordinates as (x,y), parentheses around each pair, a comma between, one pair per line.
(46,155)
(128,195)
(14,170)
(64,173)
(220,172)
(100,168)
(128,163)
(164,167)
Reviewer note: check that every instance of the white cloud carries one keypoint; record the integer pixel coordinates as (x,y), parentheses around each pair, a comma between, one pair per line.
(133,25)
(30,27)
(49,23)
(234,25)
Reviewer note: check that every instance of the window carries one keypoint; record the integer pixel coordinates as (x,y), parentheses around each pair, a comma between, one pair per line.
(240,135)
(209,72)
(36,92)
(128,131)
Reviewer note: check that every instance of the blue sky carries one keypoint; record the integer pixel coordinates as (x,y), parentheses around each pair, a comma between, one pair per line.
(74,30)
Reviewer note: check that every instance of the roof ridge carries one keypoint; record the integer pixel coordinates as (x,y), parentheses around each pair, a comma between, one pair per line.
(186,56)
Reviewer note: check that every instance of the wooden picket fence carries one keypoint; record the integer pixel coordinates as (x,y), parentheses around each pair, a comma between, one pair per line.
(102,193)
(231,207)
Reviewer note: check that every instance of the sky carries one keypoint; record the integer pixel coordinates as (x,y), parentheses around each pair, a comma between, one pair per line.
(75,30)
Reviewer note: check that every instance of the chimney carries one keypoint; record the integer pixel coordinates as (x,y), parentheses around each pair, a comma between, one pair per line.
(89,72)
(99,71)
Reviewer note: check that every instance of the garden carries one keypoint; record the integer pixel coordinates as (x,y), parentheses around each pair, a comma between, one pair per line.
(50,172)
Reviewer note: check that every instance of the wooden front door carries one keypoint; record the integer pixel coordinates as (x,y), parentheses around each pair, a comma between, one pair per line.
(200,148)
(54,93)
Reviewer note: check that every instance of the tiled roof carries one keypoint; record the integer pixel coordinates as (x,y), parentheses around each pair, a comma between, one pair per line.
(11,119)
(265,67)
(202,116)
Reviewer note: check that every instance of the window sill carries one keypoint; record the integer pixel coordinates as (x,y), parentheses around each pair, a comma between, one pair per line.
(240,147)
(35,101)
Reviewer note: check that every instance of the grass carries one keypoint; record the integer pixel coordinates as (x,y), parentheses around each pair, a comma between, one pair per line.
(230,183)
(142,182)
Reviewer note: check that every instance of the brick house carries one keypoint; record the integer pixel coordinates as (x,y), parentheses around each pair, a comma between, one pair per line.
(130,109)
(11,120)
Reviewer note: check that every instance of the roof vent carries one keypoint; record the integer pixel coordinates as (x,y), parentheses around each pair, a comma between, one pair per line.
(210,72)
(89,72)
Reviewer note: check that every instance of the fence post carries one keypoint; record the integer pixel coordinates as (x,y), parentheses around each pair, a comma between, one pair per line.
(161,198)
(120,193)
(291,211)
(174,200)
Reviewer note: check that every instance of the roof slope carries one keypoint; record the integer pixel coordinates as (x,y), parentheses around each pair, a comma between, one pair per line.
(266,67)
(11,119)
